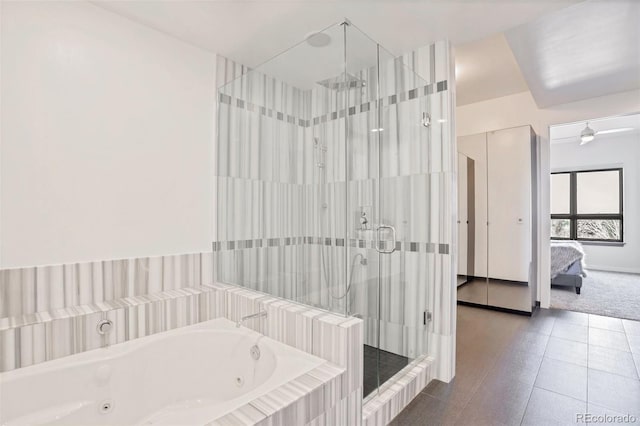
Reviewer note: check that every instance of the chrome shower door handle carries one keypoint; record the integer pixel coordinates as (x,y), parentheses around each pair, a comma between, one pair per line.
(393,234)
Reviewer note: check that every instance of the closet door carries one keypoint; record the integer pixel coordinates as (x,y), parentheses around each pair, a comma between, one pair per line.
(463,220)
(472,170)
(509,203)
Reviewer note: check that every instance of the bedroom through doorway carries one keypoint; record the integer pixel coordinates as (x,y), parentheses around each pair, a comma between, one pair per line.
(595,206)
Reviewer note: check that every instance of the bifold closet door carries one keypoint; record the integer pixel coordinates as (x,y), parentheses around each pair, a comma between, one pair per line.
(509,200)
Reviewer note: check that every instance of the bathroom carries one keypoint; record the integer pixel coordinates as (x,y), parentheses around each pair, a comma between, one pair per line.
(208,230)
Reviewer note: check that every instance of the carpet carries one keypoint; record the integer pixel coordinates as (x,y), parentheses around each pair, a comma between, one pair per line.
(611,294)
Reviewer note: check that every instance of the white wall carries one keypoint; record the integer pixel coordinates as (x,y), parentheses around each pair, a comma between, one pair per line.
(520,109)
(107,137)
(621,150)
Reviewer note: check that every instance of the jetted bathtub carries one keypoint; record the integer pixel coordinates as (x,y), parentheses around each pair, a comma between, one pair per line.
(187,376)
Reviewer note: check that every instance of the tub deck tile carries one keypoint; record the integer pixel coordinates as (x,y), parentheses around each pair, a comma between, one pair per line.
(302,399)
(245,415)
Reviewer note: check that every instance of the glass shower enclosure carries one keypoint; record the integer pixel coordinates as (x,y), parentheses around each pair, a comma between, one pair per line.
(324,164)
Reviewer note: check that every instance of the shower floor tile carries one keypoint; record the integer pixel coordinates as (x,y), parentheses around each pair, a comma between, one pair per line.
(388,365)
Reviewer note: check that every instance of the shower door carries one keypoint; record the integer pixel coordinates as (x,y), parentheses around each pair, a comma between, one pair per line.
(389,182)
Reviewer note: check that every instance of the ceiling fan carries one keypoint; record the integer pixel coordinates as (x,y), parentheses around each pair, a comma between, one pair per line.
(588,134)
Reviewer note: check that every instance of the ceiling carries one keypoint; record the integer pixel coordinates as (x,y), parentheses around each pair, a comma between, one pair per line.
(570,133)
(486,69)
(304,65)
(584,51)
(561,50)
(251,32)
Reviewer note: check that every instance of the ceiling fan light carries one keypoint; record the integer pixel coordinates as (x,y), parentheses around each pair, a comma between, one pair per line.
(587,135)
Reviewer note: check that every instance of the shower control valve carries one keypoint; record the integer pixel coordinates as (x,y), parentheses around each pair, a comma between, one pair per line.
(362,218)
(364,222)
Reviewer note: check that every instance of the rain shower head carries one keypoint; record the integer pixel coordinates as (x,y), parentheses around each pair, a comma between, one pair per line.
(339,83)
(318,39)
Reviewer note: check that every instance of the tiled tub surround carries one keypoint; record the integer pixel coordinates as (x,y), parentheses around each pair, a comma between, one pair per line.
(332,393)
(168,369)
(37,338)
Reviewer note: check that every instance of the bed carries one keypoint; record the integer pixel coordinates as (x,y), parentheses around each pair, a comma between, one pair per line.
(567,264)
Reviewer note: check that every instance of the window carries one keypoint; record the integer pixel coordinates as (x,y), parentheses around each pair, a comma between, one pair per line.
(587,205)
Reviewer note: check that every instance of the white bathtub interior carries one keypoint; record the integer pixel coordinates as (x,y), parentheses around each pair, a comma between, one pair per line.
(190,375)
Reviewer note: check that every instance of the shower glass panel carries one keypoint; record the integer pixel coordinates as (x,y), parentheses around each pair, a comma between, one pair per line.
(322,181)
(412,115)
(280,180)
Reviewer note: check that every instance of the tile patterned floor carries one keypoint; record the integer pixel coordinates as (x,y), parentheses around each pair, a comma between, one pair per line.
(543,370)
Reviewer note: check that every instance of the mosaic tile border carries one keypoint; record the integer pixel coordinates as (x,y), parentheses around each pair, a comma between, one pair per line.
(257,243)
(413,246)
(262,110)
(408,95)
(386,101)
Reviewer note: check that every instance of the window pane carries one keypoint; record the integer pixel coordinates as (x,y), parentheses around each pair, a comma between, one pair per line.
(598,192)
(560,199)
(560,228)
(599,229)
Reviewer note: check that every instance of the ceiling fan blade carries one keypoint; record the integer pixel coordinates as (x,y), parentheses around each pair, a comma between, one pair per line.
(568,137)
(621,129)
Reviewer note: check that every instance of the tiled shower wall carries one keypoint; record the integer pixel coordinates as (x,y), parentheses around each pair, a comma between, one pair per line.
(261,153)
(286,232)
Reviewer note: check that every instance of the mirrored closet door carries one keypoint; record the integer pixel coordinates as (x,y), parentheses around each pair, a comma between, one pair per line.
(472,219)
(496,227)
